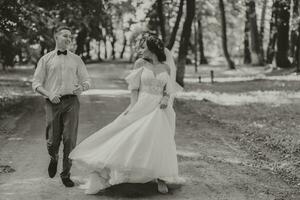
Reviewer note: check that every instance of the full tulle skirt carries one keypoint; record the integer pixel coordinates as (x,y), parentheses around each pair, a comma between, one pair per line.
(135,148)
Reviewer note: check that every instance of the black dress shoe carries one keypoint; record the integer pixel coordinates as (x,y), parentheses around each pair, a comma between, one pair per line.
(67,182)
(52,168)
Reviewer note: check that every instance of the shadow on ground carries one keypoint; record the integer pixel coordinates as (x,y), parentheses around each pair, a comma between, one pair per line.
(135,190)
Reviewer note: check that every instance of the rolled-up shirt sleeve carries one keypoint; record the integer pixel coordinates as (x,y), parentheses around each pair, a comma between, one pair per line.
(83,75)
(39,75)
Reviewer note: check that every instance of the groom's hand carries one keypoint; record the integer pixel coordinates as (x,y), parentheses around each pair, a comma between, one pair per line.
(54,98)
(78,90)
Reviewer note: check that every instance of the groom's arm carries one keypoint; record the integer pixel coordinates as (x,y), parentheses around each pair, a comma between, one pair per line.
(38,80)
(39,77)
(83,76)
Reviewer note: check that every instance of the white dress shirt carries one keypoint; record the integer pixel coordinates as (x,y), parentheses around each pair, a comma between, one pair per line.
(60,74)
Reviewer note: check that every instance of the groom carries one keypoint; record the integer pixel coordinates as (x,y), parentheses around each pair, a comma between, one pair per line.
(60,77)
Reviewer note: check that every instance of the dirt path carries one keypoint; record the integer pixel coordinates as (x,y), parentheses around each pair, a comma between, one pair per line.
(212,163)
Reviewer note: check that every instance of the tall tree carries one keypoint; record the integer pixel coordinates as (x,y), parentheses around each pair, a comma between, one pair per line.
(256,57)
(262,29)
(203,59)
(105,46)
(294,37)
(16,23)
(81,40)
(124,46)
(99,51)
(247,52)
(184,41)
(273,33)
(195,46)
(161,16)
(282,60)
(224,35)
(113,49)
(176,26)
(154,23)
(88,48)
(297,57)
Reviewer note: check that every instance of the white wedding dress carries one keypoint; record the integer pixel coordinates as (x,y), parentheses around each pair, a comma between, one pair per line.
(136,147)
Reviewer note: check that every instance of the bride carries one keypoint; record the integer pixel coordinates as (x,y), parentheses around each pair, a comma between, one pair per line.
(138,146)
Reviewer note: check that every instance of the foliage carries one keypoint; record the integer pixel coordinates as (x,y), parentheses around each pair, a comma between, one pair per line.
(25,24)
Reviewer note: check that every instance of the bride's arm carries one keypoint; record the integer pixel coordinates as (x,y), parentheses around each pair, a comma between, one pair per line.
(139,63)
(135,92)
(134,84)
(133,99)
(165,99)
(166,96)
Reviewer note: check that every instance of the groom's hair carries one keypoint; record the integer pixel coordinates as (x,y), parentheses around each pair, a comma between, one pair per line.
(60,28)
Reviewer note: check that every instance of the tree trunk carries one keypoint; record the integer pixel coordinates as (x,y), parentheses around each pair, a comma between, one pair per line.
(176,26)
(203,59)
(262,29)
(43,47)
(294,37)
(247,52)
(88,47)
(282,60)
(9,54)
(273,33)
(255,38)
(195,45)
(131,53)
(298,51)
(224,36)
(124,47)
(80,40)
(161,16)
(184,41)
(105,49)
(113,51)
(19,53)
(99,51)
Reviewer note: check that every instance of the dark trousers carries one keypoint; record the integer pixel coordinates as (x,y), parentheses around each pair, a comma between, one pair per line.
(62,124)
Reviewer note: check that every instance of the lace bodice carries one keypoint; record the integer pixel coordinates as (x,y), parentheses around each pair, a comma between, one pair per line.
(145,80)
(153,84)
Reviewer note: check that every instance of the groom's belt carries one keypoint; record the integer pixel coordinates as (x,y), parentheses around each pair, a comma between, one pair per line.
(64,97)
(68,96)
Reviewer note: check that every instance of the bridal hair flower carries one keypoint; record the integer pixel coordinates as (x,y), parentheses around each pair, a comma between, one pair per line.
(153,38)
(157,42)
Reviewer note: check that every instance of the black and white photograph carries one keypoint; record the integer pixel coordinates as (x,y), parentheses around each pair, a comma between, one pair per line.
(149,99)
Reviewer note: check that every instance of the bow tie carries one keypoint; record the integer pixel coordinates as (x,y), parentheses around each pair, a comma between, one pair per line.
(62,52)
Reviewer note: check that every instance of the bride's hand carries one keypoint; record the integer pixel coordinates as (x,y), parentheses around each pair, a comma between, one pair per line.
(125,113)
(163,105)
(127,110)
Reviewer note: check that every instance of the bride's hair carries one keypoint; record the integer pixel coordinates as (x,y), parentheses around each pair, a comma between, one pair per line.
(154,44)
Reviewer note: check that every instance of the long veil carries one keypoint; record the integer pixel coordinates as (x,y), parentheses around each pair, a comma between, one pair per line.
(170,61)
